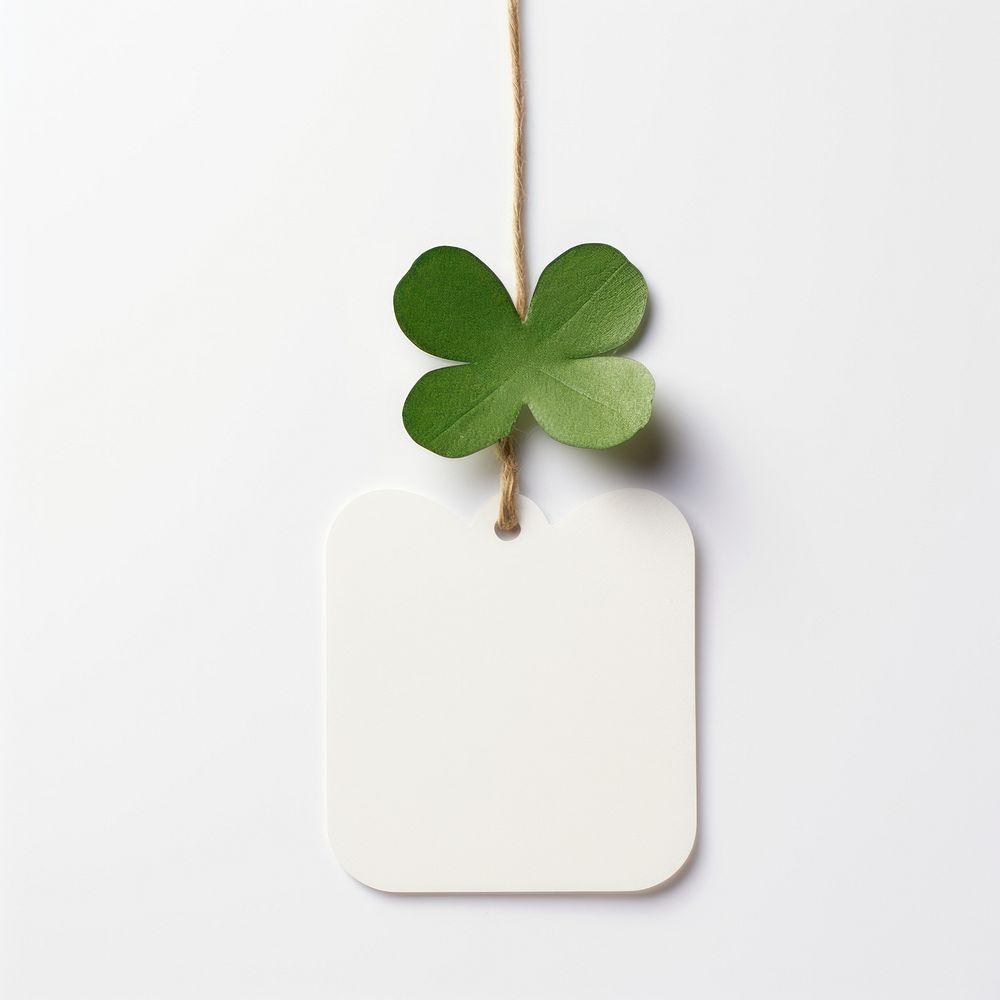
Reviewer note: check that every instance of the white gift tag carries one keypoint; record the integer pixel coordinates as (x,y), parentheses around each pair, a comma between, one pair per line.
(511,715)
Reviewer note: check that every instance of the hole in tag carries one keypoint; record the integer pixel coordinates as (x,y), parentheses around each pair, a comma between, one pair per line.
(506,534)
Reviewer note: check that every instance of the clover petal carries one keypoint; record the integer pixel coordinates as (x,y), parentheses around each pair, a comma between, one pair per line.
(451,305)
(591,402)
(457,410)
(589,300)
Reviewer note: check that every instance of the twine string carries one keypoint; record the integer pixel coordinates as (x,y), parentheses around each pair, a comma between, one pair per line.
(507,515)
(514,22)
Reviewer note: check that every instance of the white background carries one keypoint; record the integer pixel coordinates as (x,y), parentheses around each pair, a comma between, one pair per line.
(205,207)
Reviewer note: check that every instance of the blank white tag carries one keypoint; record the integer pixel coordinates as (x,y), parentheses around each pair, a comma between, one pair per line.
(511,715)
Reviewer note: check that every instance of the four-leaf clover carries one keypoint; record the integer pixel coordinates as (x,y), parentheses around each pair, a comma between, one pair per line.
(588,302)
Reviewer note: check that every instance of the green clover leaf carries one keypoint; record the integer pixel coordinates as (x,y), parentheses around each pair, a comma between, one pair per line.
(588,302)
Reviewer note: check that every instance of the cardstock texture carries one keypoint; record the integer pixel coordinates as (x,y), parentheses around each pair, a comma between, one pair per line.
(511,715)
(589,301)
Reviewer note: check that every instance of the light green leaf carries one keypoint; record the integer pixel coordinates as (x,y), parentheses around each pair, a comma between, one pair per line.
(591,402)
(588,301)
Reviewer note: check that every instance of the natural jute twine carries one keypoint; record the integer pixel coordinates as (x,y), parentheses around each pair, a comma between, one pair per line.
(507,516)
